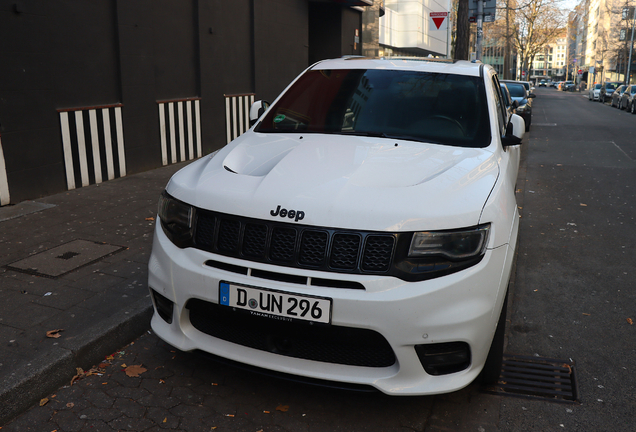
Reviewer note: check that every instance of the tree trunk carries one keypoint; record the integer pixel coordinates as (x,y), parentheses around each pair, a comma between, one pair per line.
(463,31)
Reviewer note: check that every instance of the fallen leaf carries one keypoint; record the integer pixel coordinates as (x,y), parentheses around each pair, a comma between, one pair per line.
(110,357)
(165,420)
(70,405)
(80,374)
(586,314)
(124,365)
(135,370)
(629,320)
(54,333)
(583,205)
(44,401)
(150,219)
(283,408)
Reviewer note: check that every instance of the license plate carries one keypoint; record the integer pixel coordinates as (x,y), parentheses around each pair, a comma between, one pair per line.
(275,304)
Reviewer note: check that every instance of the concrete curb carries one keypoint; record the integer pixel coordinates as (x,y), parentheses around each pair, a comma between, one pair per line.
(28,384)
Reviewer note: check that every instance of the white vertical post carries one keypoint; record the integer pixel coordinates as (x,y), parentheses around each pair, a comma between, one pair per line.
(228,120)
(247,113)
(190,134)
(97,160)
(173,136)
(234,132)
(68,152)
(181,132)
(120,142)
(4,184)
(81,146)
(162,133)
(108,144)
(197,115)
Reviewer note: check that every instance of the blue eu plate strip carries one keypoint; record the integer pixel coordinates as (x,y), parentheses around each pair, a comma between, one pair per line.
(224,293)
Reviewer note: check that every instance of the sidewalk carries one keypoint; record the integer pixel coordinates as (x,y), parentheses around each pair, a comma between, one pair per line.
(74,262)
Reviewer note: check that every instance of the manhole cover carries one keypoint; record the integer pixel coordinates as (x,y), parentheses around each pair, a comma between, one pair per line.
(62,259)
(536,378)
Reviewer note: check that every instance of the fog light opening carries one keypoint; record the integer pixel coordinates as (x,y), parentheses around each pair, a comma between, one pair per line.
(444,358)
(163,306)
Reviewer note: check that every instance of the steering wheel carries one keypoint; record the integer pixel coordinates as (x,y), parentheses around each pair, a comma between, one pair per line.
(450,120)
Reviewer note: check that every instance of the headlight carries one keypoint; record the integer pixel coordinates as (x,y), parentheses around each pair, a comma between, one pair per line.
(176,219)
(454,245)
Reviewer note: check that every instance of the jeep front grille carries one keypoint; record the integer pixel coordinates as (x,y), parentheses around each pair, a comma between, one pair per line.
(292,245)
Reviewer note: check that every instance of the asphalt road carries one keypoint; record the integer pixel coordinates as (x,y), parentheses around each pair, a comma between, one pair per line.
(571,300)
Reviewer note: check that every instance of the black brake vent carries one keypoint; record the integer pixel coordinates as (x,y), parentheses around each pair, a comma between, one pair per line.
(536,378)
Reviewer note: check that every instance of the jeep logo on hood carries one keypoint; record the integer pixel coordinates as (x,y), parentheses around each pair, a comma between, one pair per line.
(291,214)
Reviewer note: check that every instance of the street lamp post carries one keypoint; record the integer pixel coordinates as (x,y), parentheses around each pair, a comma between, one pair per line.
(629,62)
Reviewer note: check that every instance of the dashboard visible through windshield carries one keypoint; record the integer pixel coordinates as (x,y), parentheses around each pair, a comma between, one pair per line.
(420,106)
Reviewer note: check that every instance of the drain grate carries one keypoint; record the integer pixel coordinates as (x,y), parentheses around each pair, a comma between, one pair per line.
(536,378)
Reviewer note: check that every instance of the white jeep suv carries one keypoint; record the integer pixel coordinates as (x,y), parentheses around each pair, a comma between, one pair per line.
(361,232)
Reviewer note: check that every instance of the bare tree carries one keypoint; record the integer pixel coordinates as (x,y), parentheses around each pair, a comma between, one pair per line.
(536,24)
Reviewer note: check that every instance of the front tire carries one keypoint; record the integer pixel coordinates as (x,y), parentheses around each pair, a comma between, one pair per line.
(492,368)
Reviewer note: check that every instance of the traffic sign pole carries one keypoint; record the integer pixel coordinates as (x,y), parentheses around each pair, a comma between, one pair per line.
(480,29)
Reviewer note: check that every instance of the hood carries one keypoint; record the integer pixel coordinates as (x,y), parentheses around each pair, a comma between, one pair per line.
(342,181)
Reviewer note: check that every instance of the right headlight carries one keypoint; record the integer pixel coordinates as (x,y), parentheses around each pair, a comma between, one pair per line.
(177,219)
(454,245)
(431,254)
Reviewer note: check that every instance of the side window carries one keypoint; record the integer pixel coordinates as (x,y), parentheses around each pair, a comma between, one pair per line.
(501,108)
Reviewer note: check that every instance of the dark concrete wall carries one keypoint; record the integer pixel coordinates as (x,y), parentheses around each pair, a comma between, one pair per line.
(75,54)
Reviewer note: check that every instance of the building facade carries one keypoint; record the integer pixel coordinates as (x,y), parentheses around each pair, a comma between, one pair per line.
(95,90)
(415,28)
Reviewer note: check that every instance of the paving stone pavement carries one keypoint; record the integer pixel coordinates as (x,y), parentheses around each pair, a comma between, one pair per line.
(177,391)
(99,305)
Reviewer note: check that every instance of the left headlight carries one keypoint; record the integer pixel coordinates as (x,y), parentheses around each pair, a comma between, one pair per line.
(455,245)
(177,219)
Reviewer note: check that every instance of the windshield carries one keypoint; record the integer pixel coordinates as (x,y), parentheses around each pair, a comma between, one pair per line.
(610,86)
(597,86)
(516,90)
(420,106)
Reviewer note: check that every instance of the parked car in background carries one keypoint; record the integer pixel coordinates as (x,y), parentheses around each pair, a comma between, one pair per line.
(543,83)
(568,86)
(511,105)
(519,94)
(616,96)
(553,84)
(594,92)
(297,248)
(528,85)
(606,91)
(629,99)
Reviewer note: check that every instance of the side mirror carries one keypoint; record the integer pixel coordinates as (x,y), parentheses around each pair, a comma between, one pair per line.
(515,104)
(256,111)
(514,131)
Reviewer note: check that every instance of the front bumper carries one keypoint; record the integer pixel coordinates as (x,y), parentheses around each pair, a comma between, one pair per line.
(461,307)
